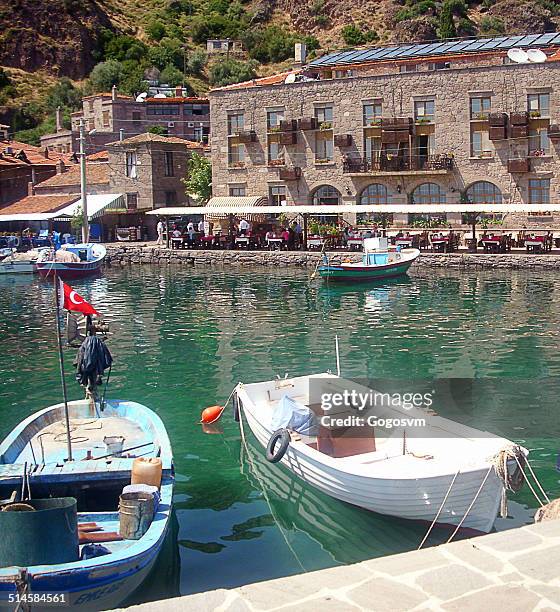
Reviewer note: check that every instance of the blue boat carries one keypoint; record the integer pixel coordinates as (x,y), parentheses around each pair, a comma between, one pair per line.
(35,452)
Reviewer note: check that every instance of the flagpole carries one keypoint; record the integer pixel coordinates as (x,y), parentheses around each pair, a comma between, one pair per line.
(61,361)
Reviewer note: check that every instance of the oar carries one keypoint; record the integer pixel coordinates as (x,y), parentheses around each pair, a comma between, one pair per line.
(319,260)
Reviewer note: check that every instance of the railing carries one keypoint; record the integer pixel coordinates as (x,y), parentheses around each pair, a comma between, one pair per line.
(398,163)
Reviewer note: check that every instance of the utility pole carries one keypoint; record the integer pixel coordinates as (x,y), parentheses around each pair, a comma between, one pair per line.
(83,183)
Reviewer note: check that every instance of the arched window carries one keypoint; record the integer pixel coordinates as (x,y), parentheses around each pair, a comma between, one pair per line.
(428,193)
(374,194)
(326,194)
(484,192)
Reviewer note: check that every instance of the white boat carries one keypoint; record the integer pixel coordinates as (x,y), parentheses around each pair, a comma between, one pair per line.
(38,446)
(72,261)
(19,263)
(443,472)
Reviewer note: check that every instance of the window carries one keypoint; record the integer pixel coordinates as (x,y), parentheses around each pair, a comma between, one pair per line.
(198,133)
(326,194)
(131,201)
(200,109)
(324,116)
(539,144)
(480,107)
(277,195)
(539,191)
(374,194)
(439,66)
(484,192)
(236,122)
(428,193)
(237,191)
(236,156)
(131,163)
(480,144)
(216,44)
(275,151)
(162,109)
(136,116)
(372,147)
(273,119)
(372,113)
(408,68)
(324,148)
(424,110)
(170,198)
(169,168)
(538,105)
(106,119)
(342,74)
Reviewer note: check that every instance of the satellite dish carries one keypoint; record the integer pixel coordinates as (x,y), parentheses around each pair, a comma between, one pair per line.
(141,97)
(160,95)
(518,56)
(291,78)
(536,56)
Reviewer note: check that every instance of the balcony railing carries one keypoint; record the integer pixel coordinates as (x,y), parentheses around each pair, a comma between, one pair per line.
(398,163)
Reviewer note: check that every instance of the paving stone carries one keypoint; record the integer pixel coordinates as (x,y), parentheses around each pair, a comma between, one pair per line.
(511,541)
(552,593)
(202,602)
(546,529)
(322,604)
(543,565)
(512,598)
(451,581)
(380,594)
(470,553)
(289,590)
(406,563)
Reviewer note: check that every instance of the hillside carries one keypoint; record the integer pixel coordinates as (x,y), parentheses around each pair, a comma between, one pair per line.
(97,43)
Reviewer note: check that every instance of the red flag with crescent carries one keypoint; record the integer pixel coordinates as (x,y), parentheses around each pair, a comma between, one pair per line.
(71,300)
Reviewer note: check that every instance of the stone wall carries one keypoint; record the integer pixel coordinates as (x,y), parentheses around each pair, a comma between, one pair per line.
(119,255)
(450,89)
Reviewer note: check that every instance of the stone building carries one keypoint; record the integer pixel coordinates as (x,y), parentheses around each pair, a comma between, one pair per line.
(149,169)
(442,123)
(114,116)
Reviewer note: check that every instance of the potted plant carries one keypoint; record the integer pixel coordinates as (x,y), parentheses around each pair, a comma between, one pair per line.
(423,121)
(322,160)
(237,164)
(375,122)
(535,114)
(274,129)
(326,125)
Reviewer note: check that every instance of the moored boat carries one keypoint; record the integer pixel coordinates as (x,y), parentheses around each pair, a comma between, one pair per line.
(72,261)
(444,473)
(20,263)
(377,263)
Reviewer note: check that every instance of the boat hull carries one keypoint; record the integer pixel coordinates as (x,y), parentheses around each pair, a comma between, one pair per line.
(17,267)
(368,272)
(69,270)
(408,498)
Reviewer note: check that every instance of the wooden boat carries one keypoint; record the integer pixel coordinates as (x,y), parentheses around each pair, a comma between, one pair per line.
(19,263)
(38,445)
(72,261)
(442,473)
(378,263)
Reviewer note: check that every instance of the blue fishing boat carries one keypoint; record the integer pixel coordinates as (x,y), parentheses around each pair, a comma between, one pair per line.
(73,478)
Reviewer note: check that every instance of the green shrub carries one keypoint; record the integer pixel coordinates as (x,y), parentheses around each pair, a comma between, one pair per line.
(269,44)
(205,26)
(171,75)
(231,71)
(492,26)
(353,35)
(311,43)
(196,62)
(322,20)
(160,130)
(169,51)
(446,27)
(125,48)
(4,79)
(105,75)
(64,94)
(155,30)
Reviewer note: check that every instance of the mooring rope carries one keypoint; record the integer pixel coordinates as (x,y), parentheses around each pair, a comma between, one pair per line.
(440,510)
(254,471)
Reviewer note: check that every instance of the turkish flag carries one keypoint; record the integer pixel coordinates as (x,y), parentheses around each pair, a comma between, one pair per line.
(71,300)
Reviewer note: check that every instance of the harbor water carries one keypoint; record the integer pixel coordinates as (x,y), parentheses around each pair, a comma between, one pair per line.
(183,337)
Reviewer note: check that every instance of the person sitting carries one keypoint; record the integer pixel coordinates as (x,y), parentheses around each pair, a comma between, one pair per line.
(243,227)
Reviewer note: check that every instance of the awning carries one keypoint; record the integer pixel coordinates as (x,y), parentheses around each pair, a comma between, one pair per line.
(96,206)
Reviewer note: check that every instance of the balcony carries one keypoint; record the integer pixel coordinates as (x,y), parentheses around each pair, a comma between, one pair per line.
(434,164)
(247,136)
(288,138)
(397,123)
(342,140)
(290,174)
(554,132)
(307,123)
(288,125)
(522,164)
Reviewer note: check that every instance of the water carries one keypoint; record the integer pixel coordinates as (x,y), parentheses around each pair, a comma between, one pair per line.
(183,337)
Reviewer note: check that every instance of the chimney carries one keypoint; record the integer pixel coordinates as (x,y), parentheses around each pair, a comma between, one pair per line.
(46,152)
(178,91)
(60,167)
(121,134)
(58,119)
(114,93)
(300,54)
(30,189)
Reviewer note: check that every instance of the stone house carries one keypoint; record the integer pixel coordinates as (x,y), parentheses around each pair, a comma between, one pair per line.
(149,169)
(447,123)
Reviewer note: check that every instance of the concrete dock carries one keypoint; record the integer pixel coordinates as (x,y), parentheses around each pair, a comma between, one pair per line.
(516,570)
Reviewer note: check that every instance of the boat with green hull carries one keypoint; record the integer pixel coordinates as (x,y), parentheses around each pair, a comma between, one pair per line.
(378,263)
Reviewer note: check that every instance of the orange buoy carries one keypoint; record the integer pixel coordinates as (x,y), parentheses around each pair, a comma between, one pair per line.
(211,414)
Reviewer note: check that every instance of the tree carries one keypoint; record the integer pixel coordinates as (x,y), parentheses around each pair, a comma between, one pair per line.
(4,79)
(64,94)
(169,51)
(171,75)
(160,130)
(446,24)
(125,48)
(231,71)
(198,182)
(352,35)
(196,62)
(105,75)
(155,30)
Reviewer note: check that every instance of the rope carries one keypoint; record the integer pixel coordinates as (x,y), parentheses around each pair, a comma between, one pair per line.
(471,504)
(439,511)
(265,495)
(511,482)
(533,490)
(537,481)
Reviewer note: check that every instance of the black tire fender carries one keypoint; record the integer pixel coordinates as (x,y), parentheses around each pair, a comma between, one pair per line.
(275,454)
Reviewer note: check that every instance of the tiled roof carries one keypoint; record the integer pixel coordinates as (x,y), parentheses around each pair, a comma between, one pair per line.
(38,204)
(177,100)
(269,80)
(99,156)
(96,174)
(149,137)
(34,155)
(436,49)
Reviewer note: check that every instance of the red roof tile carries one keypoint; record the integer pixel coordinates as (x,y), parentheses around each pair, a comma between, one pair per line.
(38,204)
(96,174)
(269,80)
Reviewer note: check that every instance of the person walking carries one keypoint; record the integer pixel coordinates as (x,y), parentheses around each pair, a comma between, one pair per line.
(159,229)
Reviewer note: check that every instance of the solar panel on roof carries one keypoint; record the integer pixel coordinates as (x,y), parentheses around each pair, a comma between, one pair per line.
(409,50)
(385,52)
(458,46)
(527,40)
(544,39)
(424,49)
(510,42)
(492,43)
(396,53)
(444,48)
(555,40)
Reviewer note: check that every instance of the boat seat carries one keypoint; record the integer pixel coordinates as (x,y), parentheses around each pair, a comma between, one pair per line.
(344,442)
